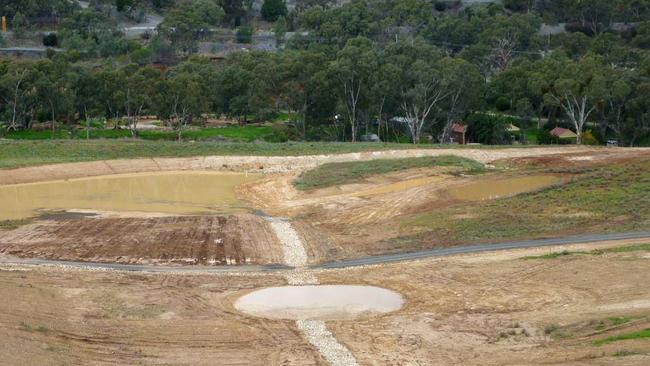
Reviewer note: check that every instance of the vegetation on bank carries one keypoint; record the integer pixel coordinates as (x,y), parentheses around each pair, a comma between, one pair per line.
(334,174)
(13,224)
(603,199)
(24,153)
(564,253)
(242,133)
(395,71)
(645,333)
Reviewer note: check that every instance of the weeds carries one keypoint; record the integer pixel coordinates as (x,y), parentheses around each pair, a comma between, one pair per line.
(334,174)
(645,333)
(622,249)
(28,328)
(13,224)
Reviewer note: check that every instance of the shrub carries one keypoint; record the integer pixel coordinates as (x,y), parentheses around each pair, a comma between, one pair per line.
(278,134)
(516,5)
(245,34)
(579,27)
(588,138)
(502,103)
(487,129)
(273,9)
(50,40)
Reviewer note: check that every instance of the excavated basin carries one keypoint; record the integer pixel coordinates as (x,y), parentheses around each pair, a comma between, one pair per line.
(498,188)
(180,192)
(319,302)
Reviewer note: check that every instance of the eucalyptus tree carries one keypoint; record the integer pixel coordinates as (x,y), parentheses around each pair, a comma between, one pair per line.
(139,85)
(464,86)
(352,69)
(179,99)
(15,80)
(420,83)
(578,89)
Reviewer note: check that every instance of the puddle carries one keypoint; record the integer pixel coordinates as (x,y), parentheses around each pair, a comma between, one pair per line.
(319,302)
(185,192)
(498,188)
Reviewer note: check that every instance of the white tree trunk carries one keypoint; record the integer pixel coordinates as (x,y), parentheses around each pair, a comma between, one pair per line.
(352,90)
(577,111)
(417,110)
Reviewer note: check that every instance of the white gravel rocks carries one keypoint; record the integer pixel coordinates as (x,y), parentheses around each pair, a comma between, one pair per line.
(314,330)
(294,252)
(321,338)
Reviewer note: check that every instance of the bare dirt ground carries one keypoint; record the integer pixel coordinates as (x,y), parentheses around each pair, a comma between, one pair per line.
(487,309)
(340,222)
(206,240)
(484,309)
(60,317)
(503,310)
(363,219)
(265,164)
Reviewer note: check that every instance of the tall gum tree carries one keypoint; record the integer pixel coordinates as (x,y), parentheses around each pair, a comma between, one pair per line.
(578,90)
(352,69)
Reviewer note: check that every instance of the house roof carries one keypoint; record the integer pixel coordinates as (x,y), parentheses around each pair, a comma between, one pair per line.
(563,133)
(458,127)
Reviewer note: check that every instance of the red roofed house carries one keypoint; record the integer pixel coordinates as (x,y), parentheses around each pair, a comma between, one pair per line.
(563,134)
(458,130)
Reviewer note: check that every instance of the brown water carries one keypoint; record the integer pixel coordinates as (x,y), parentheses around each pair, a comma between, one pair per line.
(497,188)
(161,192)
(325,302)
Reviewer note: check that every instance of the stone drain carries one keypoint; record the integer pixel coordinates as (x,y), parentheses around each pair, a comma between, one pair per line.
(315,331)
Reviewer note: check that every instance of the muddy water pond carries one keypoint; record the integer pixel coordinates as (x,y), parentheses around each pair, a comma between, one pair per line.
(186,192)
(497,188)
(319,302)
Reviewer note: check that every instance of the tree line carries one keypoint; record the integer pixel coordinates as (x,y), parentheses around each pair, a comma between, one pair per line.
(398,69)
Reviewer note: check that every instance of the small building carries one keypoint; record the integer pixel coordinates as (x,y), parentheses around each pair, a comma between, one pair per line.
(513,129)
(564,134)
(458,132)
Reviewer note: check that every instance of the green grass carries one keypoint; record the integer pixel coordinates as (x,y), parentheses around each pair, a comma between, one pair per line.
(642,334)
(618,320)
(333,174)
(629,248)
(14,153)
(610,198)
(243,133)
(531,136)
(553,255)
(623,249)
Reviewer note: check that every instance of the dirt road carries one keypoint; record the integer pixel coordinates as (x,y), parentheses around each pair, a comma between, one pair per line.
(482,309)
(580,241)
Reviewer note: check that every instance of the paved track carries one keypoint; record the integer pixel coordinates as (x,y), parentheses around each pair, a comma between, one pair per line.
(389,258)
(484,248)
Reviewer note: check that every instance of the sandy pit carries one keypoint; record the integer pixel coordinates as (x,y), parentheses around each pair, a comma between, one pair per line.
(196,192)
(321,302)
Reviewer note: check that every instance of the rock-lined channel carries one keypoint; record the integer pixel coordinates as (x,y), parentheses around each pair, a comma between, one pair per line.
(310,304)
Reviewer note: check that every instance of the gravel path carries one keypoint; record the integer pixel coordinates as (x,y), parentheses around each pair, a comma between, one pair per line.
(315,331)
(321,338)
